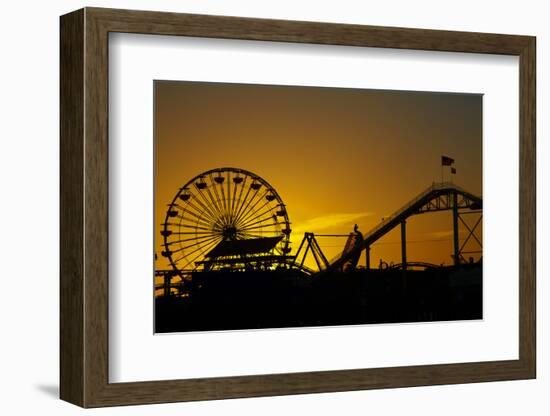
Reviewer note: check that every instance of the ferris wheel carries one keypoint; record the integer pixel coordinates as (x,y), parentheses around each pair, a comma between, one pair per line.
(225,218)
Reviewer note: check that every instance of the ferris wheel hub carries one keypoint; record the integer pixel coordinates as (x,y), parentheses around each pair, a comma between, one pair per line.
(229,233)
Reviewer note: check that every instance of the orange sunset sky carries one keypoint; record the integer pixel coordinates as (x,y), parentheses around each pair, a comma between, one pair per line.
(336,156)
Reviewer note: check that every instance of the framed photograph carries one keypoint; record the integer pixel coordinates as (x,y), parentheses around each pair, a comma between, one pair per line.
(255,207)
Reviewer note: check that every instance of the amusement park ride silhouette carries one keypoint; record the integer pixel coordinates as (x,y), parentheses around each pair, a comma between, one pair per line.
(232,220)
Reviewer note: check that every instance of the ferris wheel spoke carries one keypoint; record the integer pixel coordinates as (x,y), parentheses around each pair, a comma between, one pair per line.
(217,197)
(254,235)
(215,202)
(200,243)
(190,232)
(195,238)
(260,221)
(231,211)
(188,208)
(268,213)
(209,202)
(206,207)
(210,246)
(193,222)
(191,239)
(212,243)
(251,206)
(238,202)
(205,211)
(244,200)
(253,214)
(245,208)
(194,244)
(196,220)
(250,209)
(224,202)
(229,200)
(263,221)
(193,227)
(264,228)
(264,231)
(257,227)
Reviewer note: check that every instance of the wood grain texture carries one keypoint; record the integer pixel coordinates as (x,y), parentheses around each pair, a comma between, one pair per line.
(71,99)
(527,208)
(96,220)
(84,207)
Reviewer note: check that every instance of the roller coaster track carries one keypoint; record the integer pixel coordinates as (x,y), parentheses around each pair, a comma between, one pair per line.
(438,197)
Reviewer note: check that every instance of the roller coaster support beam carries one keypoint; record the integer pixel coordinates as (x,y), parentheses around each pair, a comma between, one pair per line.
(404,244)
(367,256)
(456,256)
(318,256)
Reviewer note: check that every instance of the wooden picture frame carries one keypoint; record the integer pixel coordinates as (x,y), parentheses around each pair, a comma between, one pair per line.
(84,207)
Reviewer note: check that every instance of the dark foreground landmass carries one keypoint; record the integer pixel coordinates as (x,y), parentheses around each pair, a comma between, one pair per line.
(228,300)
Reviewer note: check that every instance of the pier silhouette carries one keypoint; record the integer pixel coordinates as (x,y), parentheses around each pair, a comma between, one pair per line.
(226,236)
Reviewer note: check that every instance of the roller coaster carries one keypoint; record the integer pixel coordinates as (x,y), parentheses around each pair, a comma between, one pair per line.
(230,219)
(438,197)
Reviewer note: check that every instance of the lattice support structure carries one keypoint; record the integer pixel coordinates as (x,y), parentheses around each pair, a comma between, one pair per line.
(474,235)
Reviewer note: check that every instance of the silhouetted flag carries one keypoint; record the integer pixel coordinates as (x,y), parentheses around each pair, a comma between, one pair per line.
(453,171)
(446,161)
